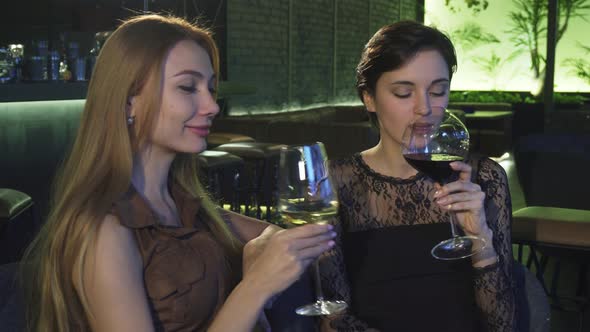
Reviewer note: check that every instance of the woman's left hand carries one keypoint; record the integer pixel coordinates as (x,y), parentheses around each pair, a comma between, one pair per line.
(465,198)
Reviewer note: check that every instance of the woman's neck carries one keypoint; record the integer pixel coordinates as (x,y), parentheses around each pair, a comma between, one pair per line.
(150,179)
(150,174)
(386,158)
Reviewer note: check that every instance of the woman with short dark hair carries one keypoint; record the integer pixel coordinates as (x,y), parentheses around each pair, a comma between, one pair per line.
(391,214)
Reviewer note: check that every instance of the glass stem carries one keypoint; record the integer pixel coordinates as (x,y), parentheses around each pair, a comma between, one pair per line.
(453,225)
(318,284)
(453,217)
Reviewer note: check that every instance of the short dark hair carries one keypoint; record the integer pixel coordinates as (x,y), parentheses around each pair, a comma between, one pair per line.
(392,47)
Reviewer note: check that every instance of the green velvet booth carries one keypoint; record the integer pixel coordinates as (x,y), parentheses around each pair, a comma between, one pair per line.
(34,137)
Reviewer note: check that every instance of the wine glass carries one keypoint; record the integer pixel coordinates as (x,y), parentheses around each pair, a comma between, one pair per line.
(306,195)
(430,144)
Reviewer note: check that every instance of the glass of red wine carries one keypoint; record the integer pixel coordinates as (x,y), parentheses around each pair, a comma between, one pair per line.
(430,144)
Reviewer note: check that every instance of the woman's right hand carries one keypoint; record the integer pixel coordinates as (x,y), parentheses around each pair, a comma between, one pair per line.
(276,258)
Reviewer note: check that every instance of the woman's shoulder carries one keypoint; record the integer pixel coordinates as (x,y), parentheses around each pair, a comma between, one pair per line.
(113,239)
(111,230)
(113,275)
(485,168)
(344,168)
(343,163)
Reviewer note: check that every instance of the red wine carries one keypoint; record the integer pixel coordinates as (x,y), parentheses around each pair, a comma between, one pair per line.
(434,165)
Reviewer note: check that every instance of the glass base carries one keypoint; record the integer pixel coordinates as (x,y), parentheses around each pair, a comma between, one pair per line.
(321,308)
(458,247)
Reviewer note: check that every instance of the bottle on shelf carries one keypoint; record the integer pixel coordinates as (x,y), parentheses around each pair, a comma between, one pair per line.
(37,64)
(17,53)
(65,73)
(93,54)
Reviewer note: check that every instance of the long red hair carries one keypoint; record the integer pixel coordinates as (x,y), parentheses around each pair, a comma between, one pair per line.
(98,169)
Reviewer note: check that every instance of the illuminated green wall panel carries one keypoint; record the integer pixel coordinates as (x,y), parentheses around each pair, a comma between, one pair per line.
(496,63)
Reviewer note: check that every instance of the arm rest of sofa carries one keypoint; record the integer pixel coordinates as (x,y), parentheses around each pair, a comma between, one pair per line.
(12,203)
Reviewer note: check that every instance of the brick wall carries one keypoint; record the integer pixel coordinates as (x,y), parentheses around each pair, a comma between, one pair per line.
(257,49)
(301,52)
(313,48)
(408,10)
(381,13)
(351,35)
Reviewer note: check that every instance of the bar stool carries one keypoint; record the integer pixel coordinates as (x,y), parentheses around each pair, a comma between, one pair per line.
(556,233)
(220,173)
(260,174)
(16,217)
(216,139)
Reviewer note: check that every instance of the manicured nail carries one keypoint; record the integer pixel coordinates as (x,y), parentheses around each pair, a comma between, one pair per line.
(332,234)
(436,193)
(331,243)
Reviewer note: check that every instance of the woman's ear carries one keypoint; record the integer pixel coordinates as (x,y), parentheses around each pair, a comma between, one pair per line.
(369,101)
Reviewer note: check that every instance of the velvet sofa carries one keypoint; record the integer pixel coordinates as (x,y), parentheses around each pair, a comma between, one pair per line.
(34,137)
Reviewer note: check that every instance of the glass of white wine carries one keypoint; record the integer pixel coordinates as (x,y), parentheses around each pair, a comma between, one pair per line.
(306,195)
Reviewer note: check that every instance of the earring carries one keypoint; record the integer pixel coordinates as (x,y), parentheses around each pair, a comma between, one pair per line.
(130,120)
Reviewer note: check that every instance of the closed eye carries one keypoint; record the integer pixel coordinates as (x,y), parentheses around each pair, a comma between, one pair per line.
(402,89)
(399,95)
(188,89)
(438,94)
(439,89)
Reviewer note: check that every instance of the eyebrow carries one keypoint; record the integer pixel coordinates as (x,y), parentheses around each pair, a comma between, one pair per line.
(197,74)
(438,80)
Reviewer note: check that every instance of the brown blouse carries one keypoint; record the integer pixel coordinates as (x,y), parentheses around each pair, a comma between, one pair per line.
(185,272)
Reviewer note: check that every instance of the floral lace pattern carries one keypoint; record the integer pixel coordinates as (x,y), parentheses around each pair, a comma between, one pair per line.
(369,200)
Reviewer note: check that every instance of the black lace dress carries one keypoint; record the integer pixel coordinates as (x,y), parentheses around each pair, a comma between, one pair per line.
(381,264)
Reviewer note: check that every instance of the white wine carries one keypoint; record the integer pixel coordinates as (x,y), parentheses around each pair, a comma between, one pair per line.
(301,214)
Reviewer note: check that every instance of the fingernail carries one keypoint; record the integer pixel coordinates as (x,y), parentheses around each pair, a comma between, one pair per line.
(442,201)
(331,243)
(333,234)
(330,227)
(436,193)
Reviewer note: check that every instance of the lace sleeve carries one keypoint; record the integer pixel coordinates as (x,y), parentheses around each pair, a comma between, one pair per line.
(494,285)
